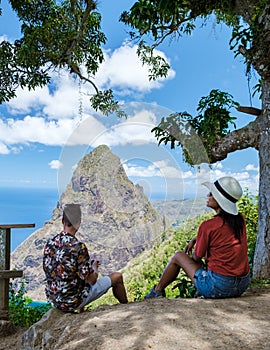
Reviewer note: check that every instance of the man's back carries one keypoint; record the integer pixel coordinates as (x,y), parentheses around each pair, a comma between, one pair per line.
(65,263)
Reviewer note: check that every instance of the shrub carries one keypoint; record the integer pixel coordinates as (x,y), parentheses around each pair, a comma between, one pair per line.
(248,206)
(21,313)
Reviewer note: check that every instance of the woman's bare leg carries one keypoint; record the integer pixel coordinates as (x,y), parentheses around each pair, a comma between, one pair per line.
(178,261)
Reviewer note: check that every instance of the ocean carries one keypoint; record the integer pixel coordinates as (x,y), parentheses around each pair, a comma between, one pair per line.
(26,206)
(31,206)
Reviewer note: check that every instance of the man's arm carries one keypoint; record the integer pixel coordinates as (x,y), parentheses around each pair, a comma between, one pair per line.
(92,277)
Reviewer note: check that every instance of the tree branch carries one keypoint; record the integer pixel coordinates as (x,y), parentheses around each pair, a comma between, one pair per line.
(245,9)
(76,70)
(239,139)
(72,43)
(67,54)
(249,110)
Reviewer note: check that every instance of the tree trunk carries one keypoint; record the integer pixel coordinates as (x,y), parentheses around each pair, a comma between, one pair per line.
(261,268)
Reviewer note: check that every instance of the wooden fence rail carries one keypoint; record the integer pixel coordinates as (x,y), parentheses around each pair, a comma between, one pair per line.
(5,272)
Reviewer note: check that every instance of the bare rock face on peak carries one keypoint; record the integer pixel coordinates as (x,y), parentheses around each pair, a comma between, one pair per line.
(118,221)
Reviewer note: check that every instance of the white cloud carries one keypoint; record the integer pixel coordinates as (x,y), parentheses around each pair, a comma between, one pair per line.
(246,179)
(35,129)
(56,164)
(174,181)
(189,182)
(140,171)
(64,101)
(86,132)
(27,101)
(217,165)
(191,179)
(3,38)
(144,116)
(61,102)
(50,115)
(167,170)
(251,167)
(159,169)
(123,69)
(135,130)
(4,149)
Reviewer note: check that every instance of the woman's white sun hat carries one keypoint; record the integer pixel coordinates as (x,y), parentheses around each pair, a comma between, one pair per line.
(226,192)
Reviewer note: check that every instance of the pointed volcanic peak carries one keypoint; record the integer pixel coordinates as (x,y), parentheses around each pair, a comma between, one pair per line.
(118,221)
(115,211)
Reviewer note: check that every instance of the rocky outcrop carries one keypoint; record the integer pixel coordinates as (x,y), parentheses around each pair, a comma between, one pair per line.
(7,328)
(236,323)
(118,221)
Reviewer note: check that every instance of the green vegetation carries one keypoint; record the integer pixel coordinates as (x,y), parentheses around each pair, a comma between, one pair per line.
(144,271)
(20,312)
(248,205)
(259,283)
(56,36)
(211,124)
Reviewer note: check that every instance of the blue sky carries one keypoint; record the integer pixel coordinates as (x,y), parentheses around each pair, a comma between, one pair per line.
(43,135)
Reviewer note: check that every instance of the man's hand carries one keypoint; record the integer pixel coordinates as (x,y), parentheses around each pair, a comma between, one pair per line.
(92,277)
(95,265)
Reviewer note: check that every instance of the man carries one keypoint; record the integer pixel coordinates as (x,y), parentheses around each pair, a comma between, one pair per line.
(71,279)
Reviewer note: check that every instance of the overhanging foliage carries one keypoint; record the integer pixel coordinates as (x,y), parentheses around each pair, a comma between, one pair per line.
(56,35)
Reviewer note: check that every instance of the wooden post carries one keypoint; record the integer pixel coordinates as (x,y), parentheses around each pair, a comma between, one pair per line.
(5,272)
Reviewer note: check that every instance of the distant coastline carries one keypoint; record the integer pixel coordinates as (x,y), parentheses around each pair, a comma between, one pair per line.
(35,205)
(178,211)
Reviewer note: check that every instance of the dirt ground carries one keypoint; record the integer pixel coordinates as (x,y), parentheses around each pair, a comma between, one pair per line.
(239,323)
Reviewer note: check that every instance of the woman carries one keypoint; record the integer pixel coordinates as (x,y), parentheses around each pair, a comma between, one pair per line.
(221,241)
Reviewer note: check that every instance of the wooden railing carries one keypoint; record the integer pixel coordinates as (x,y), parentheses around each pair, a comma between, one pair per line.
(5,272)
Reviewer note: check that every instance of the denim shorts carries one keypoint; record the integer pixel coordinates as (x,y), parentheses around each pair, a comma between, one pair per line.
(210,284)
(101,287)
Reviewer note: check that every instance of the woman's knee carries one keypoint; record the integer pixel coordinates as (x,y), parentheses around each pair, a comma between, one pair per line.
(177,256)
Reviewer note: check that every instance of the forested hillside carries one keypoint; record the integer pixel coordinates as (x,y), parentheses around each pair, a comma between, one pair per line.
(143,272)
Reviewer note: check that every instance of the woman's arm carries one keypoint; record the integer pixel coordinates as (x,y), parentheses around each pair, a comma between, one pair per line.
(188,250)
(196,258)
(190,245)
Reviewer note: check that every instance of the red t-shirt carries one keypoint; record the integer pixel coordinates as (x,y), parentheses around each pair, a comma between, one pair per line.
(224,253)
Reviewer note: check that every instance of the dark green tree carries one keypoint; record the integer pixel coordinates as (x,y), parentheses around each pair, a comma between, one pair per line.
(56,35)
(250,23)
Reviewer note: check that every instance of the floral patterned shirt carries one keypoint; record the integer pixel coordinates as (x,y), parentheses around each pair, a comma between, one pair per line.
(66,264)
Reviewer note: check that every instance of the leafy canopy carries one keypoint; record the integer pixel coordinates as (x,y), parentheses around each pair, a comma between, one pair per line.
(63,34)
(160,19)
(163,18)
(157,20)
(193,133)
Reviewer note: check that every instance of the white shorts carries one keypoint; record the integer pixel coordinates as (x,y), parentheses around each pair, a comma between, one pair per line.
(101,287)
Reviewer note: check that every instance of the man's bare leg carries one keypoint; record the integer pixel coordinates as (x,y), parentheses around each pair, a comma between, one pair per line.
(118,288)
